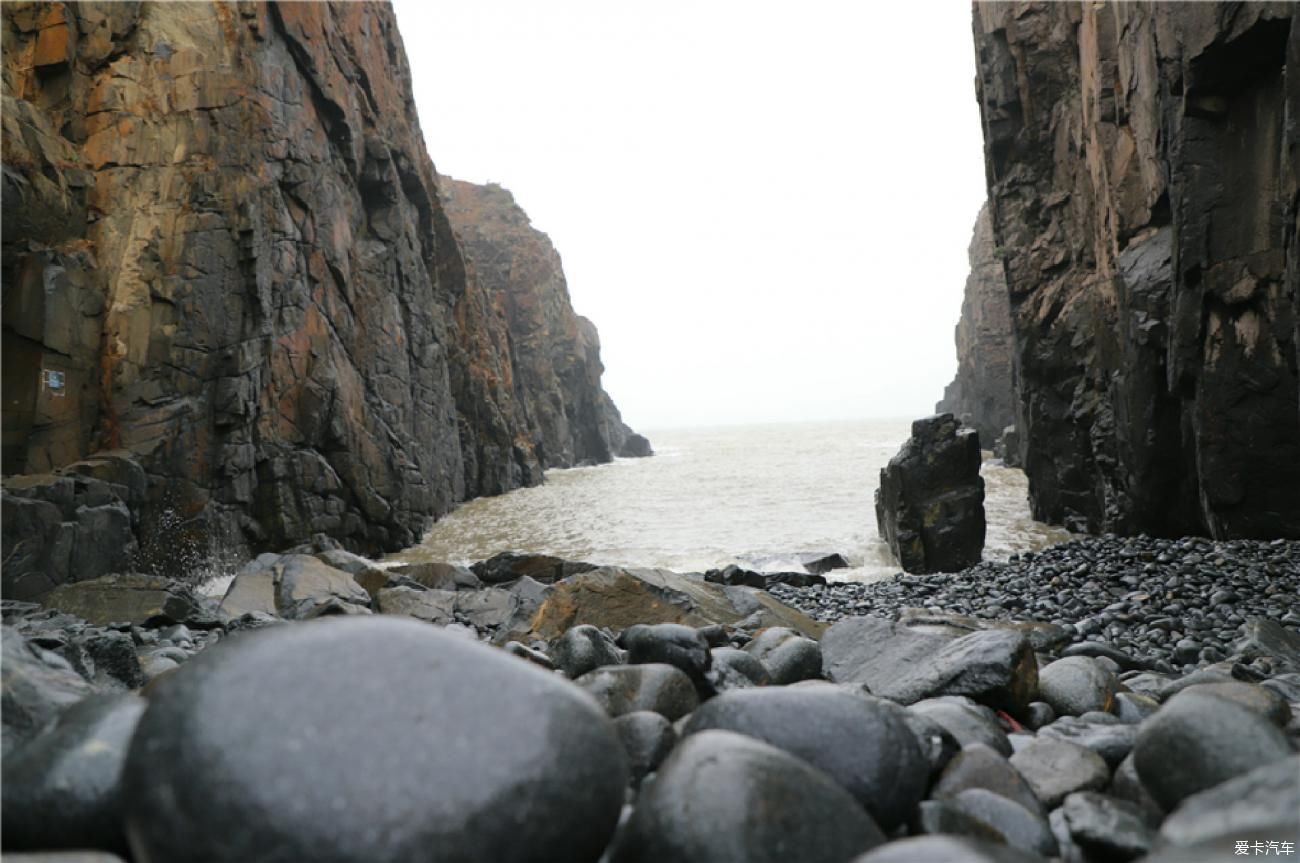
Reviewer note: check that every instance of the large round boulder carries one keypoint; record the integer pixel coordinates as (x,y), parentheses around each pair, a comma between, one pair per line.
(1197,740)
(723,797)
(63,790)
(864,743)
(370,739)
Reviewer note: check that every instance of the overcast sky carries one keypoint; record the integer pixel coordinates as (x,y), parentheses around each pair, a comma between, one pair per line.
(764,206)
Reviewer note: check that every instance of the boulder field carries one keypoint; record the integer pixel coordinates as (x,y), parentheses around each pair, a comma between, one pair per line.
(332,708)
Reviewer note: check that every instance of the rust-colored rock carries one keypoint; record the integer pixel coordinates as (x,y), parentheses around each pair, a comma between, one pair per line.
(224,254)
(552,389)
(1142,162)
(618,598)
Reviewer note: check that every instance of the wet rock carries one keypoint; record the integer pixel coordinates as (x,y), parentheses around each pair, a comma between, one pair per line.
(490,608)
(132,598)
(1111,740)
(722,796)
(523,651)
(1107,828)
(1056,769)
(679,646)
(930,503)
(1126,785)
(977,766)
(437,575)
(1196,741)
(354,564)
(1023,828)
(617,598)
(635,446)
(995,667)
(252,590)
(864,743)
(1132,707)
(966,721)
(937,744)
(949,849)
(1270,640)
(582,649)
(509,565)
(37,687)
(433,606)
(1266,796)
(787,656)
(63,527)
(1039,714)
(114,660)
(941,817)
(1076,685)
(647,739)
(1260,699)
(306,588)
(303,720)
(736,669)
(63,790)
(621,689)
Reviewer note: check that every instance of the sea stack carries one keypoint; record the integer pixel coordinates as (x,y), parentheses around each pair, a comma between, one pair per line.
(930,504)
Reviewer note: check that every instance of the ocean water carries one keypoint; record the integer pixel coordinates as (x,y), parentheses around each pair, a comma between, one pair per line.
(711,497)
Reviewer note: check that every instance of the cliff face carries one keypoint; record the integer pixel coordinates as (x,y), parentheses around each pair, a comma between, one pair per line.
(1142,169)
(982,395)
(225,259)
(551,391)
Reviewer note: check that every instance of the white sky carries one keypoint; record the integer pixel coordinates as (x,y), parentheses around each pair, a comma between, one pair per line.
(763,206)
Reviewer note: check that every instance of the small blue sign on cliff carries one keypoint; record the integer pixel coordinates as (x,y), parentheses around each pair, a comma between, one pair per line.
(54,382)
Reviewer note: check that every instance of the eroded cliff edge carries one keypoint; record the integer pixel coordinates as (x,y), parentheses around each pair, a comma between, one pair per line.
(232,295)
(982,395)
(552,388)
(1142,170)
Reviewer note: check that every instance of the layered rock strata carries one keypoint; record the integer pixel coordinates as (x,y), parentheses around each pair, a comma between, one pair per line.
(982,395)
(1142,171)
(552,388)
(225,258)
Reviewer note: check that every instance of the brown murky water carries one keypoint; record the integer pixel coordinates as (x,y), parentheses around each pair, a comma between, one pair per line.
(710,497)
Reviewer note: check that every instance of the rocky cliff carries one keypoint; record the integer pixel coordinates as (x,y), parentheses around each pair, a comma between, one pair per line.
(1142,169)
(982,395)
(552,389)
(227,266)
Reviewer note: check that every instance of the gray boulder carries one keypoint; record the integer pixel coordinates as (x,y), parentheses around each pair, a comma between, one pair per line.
(1056,769)
(63,790)
(373,738)
(582,649)
(1076,685)
(725,797)
(995,667)
(864,743)
(1196,741)
(620,689)
(37,686)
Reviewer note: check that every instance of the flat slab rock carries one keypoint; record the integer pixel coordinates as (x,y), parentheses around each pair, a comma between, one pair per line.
(996,667)
(618,598)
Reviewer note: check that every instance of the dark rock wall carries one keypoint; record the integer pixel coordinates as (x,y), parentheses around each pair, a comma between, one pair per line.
(982,395)
(1142,170)
(221,227)
(551,391)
